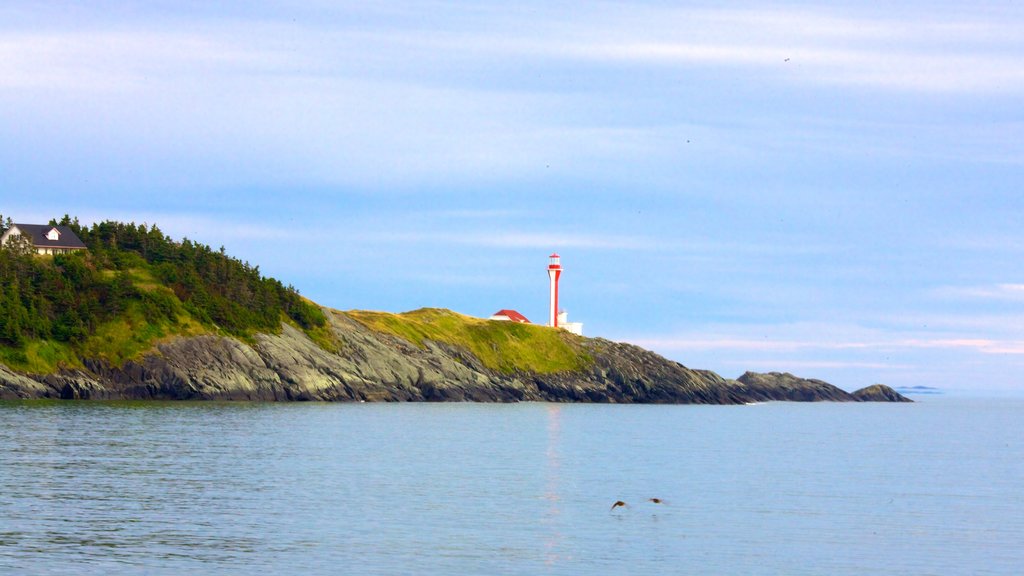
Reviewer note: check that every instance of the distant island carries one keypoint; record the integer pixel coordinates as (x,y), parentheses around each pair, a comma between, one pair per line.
(133,314)
(918,390)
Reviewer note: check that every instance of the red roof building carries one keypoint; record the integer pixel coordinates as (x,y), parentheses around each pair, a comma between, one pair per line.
(509,316)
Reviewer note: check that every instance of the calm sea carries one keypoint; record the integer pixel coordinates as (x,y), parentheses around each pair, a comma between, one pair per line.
(935,487)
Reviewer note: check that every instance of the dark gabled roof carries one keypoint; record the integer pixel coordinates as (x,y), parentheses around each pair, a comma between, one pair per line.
(37,233)
(512,315)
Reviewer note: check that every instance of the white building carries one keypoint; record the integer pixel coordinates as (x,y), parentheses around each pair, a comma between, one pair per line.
(564,324)
(45,239)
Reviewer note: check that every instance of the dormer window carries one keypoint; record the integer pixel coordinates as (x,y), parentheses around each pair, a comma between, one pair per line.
(53,234)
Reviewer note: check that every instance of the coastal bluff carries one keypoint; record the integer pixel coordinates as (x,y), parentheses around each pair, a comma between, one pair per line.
(406,358)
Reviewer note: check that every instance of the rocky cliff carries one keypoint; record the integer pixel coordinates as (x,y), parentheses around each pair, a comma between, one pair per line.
(372,365)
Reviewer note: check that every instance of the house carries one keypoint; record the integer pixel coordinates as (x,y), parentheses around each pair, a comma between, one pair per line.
(509,316)
(45,239)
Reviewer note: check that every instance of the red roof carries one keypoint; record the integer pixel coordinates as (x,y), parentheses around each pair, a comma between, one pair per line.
(512,315)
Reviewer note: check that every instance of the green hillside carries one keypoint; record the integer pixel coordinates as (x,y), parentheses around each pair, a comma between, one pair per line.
(135,286)
(132,287)
(503,346)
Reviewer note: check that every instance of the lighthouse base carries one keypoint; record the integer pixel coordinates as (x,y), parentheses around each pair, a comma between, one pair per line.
(564,324)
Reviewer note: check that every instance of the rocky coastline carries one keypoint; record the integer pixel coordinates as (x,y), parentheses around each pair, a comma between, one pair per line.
(371,366)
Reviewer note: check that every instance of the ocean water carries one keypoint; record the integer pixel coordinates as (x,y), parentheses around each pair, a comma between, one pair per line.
(935,487)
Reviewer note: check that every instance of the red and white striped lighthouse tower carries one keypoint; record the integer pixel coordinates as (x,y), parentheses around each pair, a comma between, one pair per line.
(554,271)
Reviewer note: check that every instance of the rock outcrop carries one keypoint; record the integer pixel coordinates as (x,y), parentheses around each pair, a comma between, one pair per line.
(879,393)
(372,366)
(785,386)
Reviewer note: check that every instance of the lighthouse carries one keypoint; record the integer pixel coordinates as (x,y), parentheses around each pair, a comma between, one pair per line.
(554,271)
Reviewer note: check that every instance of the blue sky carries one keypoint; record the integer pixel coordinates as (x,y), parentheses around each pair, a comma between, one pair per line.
(827,188)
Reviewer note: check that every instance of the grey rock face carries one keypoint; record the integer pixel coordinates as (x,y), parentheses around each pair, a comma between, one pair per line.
(14,385)
(879,393)
(785,386)
(378,367)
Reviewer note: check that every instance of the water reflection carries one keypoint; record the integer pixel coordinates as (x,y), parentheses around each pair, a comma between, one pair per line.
(552,490)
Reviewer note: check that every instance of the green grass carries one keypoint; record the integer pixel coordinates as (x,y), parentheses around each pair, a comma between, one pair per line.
(133,332)
(503,346)
(127,337)
(324,336)
(39,357)
(130,336)
(142,278)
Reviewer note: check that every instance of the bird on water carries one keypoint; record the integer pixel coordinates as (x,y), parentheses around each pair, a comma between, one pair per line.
(619,503)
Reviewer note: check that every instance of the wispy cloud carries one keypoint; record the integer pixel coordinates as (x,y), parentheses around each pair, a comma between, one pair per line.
(113,60)
(794,364)
(462,280)
(983,345)
(958,54)
(1008,291)
(519,239)
(505,236)
(199,228)
(989,243)
(470,214)
(329,102)
(846,354)
(929,55)
(692,343)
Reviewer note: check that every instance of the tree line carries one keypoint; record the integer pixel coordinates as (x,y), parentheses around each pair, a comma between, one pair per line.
(66,297)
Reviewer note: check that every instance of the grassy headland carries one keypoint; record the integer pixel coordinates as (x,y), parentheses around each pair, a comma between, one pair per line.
(503,346)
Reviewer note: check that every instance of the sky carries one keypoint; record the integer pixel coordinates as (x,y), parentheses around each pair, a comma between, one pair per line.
(833,189)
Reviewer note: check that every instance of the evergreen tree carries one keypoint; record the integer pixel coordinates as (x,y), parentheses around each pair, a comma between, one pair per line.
(12,315)
(67,297)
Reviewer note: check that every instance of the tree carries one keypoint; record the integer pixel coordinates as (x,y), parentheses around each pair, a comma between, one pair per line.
(12,315)
(65,298)
(19,244)
(71,223)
